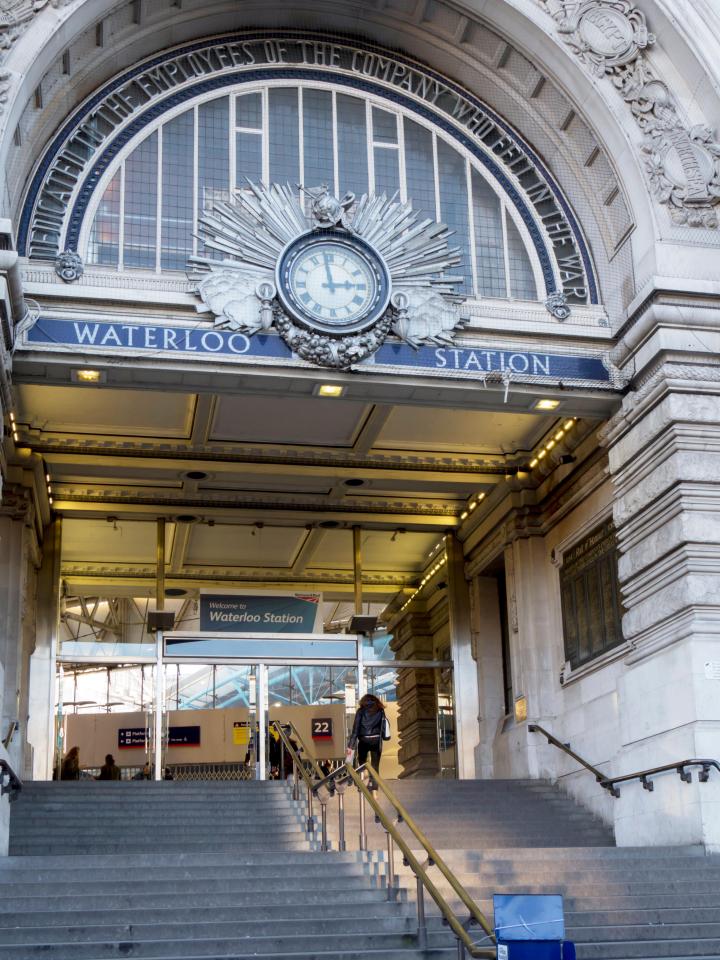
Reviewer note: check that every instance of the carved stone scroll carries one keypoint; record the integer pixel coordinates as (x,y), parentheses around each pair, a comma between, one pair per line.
(683,164)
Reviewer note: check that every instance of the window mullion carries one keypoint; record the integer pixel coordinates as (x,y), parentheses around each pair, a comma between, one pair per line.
(265,134)
(370,143)
(232,145)
(401,158)
(301,138)
(336,156)
(471,228)
(121,225)
(436,176)
(196,177)
(506,252)
(158,204)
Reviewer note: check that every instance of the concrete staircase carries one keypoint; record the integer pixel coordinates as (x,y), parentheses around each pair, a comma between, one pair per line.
(528,837)
(210,870)
(474,814)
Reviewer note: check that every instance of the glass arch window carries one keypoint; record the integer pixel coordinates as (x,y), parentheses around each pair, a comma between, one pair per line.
(147,216)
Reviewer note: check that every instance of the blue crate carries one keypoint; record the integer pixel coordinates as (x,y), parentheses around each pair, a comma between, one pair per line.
(536,950)
(531,927)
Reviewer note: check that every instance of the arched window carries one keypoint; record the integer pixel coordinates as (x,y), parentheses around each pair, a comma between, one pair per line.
(310,134)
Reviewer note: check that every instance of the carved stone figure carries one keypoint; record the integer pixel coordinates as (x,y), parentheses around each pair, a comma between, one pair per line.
(69,266)
(16,15)
(557,305)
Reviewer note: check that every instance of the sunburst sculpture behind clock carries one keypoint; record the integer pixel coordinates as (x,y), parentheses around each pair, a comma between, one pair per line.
(334,280)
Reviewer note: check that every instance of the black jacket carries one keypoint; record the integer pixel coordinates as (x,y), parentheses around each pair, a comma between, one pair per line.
(367,726)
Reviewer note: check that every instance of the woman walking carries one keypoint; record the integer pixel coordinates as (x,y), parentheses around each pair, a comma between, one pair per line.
(70,769)
(368,732)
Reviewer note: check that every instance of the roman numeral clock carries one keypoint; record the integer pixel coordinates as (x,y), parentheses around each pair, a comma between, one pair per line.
(333,277)
(333,281)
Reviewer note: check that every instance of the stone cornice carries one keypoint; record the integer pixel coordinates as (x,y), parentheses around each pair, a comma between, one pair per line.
(130,571)
(412,460)
(312,504)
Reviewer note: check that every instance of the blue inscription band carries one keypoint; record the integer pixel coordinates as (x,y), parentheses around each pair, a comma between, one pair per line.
(145,340)
(484,360)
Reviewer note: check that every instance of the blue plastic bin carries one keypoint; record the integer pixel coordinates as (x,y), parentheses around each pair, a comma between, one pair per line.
(531,927)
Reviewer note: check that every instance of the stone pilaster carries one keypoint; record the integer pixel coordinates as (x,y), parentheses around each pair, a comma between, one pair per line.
(664,456)
(417,701)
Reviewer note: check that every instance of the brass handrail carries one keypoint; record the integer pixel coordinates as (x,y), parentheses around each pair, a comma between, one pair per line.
(307,757)
(458,888)
(609,783)
(418,869)
(300,768)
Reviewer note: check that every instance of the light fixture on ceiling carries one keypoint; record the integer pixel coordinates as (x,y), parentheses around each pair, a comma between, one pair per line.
(329,390)
(175,592)
(354,482)
(555,439)
(546,404)
(186,518)
(87,376)
(195,475)
(329,524)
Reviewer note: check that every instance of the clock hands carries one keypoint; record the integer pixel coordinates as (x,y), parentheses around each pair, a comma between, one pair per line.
(333,285)
(345,285)
(330,285)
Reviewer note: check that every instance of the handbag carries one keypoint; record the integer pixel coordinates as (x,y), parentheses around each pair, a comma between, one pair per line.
(385,728)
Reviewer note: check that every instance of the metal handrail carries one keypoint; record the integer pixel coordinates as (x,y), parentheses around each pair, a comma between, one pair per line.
(299,768)
(307,756)
(609,783)
(13,784)
(465,942)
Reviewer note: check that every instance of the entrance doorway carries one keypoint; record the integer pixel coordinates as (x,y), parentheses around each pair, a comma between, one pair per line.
(215,719)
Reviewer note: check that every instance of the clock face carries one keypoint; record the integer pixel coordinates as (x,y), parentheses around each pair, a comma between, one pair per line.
(333,281)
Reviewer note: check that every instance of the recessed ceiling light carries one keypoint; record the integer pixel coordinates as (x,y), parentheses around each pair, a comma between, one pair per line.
(330,390)
(354,482)
(87,376)
(186,518)
(175,592)
(196,475)
(546,404)
(329,524)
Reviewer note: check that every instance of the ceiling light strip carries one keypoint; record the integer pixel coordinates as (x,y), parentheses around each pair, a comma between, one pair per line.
(553,441)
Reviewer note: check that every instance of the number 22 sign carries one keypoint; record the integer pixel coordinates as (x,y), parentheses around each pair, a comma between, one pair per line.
(321,728)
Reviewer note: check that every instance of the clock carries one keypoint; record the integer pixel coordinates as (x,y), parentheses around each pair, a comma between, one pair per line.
(333,282)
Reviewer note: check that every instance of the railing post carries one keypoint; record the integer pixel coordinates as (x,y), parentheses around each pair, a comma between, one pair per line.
(296,783)
(363,833)
(341,819)
(460,949)
(323,820)
(310,817)
(422,927)
(390,868)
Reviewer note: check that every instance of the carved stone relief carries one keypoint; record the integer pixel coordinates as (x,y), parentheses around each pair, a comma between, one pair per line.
(16,16)
(683,163)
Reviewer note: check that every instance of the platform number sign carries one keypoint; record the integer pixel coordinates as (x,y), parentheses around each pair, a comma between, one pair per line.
(322,728)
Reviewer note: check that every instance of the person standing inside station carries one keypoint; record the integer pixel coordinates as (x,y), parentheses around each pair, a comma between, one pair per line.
(109,770)
(368,732)
(70,769)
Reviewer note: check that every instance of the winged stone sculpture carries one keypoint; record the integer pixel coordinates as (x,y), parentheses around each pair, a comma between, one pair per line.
(244,240)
